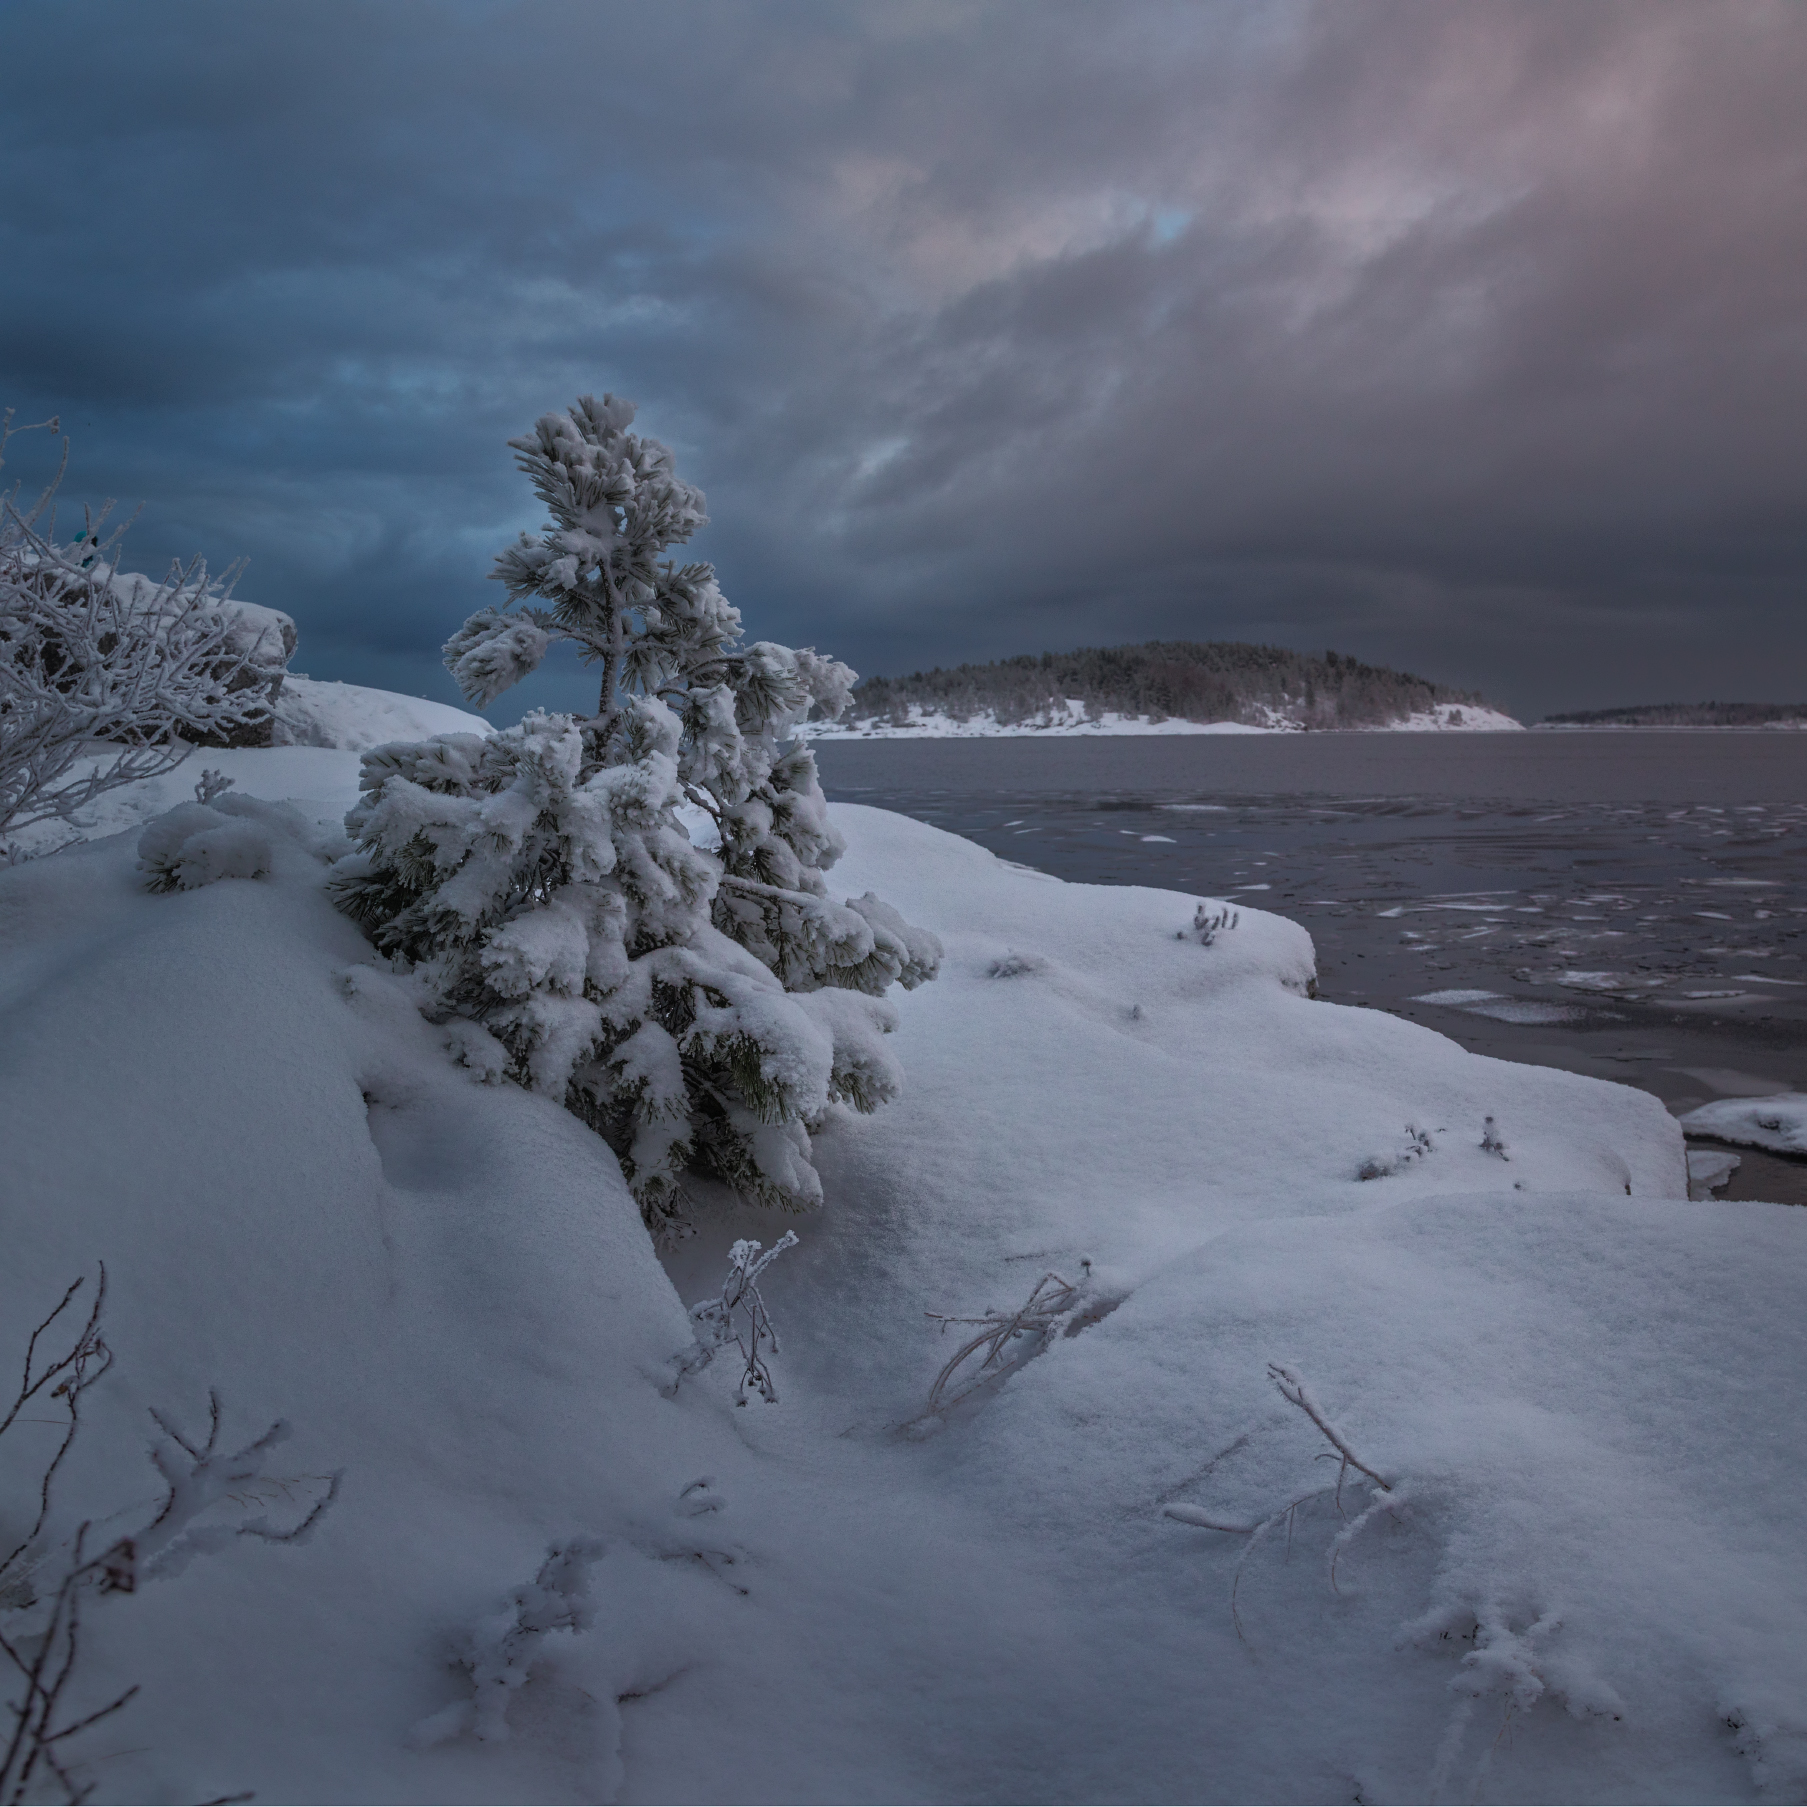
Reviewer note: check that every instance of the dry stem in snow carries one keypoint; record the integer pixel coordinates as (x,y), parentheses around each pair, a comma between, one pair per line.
(44,1582)
(739,1316)
(1207,924)
(1000,1334)
(1386,1496)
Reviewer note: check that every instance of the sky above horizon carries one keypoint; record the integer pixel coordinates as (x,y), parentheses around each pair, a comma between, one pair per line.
(1468,339)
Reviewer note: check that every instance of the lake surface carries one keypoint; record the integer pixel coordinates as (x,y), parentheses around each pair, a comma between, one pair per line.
(1629,905)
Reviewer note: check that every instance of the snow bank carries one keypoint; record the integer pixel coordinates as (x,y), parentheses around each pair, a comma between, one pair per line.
(1778,1123)
(1470,718)
(312,713)
(1581,1581)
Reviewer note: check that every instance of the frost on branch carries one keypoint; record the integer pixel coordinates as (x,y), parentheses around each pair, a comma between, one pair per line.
(738,1316)
(1004,1341)
(1384,1496)
(105,677)
(542,884)
(499,1653)
(49,1575)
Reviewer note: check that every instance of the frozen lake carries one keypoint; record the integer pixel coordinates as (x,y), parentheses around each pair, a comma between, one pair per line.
(1624,904)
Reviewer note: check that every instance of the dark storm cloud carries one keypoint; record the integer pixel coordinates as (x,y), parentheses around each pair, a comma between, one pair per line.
(1467,338)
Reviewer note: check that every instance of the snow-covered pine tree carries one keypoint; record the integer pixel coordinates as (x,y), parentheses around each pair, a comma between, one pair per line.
(698,1008)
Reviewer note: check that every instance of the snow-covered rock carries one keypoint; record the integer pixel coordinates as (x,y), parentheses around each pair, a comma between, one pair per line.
(263,638)
(1778,1123)
(314,713)
(1572,1573)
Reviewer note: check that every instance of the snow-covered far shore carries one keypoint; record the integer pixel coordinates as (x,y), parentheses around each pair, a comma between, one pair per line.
(933,725)
(1392,1426)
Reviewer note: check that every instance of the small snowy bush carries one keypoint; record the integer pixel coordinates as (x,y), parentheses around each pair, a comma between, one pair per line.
(95,661)
(698,1009)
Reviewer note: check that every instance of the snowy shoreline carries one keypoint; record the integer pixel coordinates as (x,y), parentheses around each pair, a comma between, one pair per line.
(1446,718)
(1575,1517)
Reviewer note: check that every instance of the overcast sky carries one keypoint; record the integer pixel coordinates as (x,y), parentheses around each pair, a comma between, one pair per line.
(1465,337)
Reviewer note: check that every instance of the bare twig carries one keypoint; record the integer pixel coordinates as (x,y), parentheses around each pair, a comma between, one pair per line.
(45,1653)
(86,1361)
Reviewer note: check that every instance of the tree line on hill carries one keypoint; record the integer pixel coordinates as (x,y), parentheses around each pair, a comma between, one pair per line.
(1682,715)
(1200,681)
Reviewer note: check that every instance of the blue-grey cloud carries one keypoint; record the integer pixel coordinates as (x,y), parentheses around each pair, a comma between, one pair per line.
(1470,339)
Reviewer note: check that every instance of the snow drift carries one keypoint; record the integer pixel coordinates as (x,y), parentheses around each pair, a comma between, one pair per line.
(1572,1572)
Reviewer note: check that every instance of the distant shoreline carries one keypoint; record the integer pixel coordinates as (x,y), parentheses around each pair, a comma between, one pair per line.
(1443,718)
(1782,727)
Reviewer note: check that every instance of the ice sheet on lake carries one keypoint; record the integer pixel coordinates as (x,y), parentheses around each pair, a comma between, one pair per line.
(1502,1009)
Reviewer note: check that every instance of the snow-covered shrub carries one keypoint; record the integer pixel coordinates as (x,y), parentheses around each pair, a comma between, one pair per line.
(222,835)
(542,884)
(1208,924)
(1416,1146)
(96,662)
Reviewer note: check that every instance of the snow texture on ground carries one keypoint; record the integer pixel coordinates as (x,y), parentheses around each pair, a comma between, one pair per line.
(1073,720)
(1572,1575)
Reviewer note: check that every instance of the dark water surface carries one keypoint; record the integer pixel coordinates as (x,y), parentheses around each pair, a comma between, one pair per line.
(1629,905)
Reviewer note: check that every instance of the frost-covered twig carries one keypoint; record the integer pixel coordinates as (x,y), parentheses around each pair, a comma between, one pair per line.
(45,1586)
(1051,1300)
(738,1316)
(499,1654)
(89,657)
(1295,1392)
(199,1477)
(1387,1495)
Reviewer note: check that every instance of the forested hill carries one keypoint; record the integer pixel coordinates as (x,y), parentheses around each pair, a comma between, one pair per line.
(1685,715)
(1200,681)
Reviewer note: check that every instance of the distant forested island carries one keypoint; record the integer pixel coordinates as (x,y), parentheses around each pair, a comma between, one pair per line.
(1166,680)
(1684,715)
